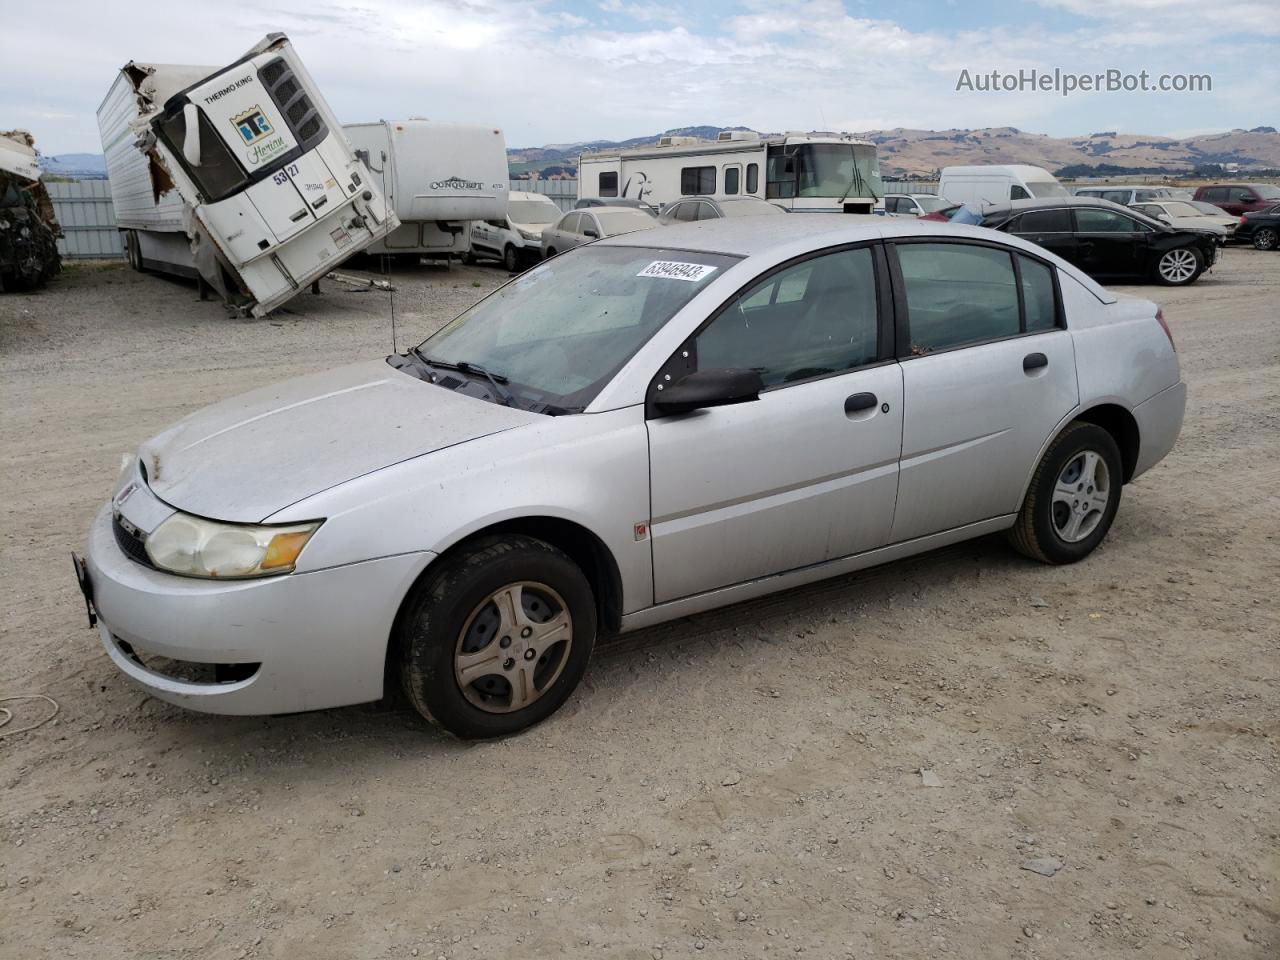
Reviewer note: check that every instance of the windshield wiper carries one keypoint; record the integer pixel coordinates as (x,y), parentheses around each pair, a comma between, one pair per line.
(496,379)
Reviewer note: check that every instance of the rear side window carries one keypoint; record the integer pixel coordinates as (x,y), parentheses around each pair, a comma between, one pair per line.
(1215,194)
(957,294)
(608,186)
(1037,295)
(697,181)
(1043,221)
(812,319)
(731,177)
(753,178)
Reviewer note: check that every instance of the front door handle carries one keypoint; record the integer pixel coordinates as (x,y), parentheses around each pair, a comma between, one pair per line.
(1034,361)
(859,401)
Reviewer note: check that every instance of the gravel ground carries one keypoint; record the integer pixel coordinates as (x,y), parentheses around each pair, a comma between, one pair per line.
(745,783)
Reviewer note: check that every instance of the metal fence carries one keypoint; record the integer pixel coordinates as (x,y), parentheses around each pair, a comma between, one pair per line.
(563,192)
(84,211)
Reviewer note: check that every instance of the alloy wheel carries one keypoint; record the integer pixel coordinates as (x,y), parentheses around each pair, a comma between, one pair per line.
(1265,239)
(1178,266)
(513,647)
(1080,496)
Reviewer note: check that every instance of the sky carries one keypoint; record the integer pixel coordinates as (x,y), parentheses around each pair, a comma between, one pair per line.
(565,71)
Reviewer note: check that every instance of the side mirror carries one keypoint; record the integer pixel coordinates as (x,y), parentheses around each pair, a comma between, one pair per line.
(1165,217)
(710,388)
(191,140)
(591,233)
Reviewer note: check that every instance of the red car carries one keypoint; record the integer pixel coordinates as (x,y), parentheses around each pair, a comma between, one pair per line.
(1239,198)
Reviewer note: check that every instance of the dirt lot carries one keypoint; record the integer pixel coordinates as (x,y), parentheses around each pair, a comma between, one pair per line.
(743,784)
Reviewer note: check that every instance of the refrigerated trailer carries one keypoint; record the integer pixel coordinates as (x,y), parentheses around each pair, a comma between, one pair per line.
(803,172)
(436,177)
(239,176)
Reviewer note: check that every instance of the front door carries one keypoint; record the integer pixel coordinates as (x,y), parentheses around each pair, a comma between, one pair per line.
(1110,243)
(806,473)
(987,376)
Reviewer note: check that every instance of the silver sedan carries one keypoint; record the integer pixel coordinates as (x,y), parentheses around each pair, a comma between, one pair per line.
(582,226)
(646,427)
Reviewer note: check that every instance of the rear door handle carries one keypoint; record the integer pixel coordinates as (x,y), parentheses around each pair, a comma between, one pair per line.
(859,401)
(1034,361)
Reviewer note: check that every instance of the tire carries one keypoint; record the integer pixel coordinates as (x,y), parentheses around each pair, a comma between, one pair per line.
(1266,239)
(453,620)
(1175,269)
(551,252)
(511,259)
(1044,529)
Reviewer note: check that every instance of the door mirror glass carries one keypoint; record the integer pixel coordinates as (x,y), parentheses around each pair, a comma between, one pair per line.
(710,388)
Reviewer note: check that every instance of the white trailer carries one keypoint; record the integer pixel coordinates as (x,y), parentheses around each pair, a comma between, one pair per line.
(436,177)
(803,172)
(239,176)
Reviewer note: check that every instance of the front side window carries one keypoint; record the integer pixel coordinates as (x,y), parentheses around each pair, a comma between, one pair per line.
(563,329)
(1089,220)
(1242,195)
(569,222)
(1017,193)
(697,181)
(588,222)
(731,177)
(812,319)
(1043,221)
(958,294)
(608,184)
(753,178)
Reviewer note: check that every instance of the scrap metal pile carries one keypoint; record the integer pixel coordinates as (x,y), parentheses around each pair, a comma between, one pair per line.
(29,230)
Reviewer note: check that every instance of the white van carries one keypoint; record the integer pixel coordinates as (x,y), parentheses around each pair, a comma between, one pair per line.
(979,187)
(516,239)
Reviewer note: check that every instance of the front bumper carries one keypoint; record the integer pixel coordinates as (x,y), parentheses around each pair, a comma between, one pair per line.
(315,640)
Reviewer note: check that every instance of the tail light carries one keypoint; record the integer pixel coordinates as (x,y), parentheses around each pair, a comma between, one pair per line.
(1242,218)
(1165,327)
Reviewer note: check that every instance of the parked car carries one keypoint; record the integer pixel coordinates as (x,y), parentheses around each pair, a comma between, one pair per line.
(1180,213)
(1239,198)
(1127,196)
(1108,241)
(583,226)
(642,428)
(1261,228)
(516,239)
(708,208)
(584,202)
(983,185)
(914,204)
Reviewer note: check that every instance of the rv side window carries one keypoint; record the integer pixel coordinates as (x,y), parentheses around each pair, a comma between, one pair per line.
(608,185)
(697,181)
(731,175)
(753,177)
(219,174)
(1017,193)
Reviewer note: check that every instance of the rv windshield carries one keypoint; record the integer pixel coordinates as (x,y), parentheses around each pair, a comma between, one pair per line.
(1046,188)
(825,170)
(558,333)
(539,212)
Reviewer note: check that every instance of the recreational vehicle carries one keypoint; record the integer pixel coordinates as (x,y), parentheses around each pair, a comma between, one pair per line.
(808,173)
(238,176)
(437,177)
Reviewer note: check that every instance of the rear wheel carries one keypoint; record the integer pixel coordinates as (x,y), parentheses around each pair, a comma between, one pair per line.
(511,258)
(1179,266)
(496,638)
(1073,497)
(1266,239)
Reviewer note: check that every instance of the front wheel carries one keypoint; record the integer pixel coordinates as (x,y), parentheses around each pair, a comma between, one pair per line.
(1266,239)
(497,637)
(1073,497)
(1179,267)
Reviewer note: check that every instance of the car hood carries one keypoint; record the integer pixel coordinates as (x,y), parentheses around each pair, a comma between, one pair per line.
(251,456)
(532,227)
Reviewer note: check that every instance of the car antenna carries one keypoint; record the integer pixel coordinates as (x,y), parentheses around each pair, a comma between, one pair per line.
(386,257)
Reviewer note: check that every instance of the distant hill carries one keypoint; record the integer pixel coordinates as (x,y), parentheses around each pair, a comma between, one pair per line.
(908,152)
(86,166)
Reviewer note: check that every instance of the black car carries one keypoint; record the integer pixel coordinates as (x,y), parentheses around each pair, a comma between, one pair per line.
(1108,241)
(1261,228)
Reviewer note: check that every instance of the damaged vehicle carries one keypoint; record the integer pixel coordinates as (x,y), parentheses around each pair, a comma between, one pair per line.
(642,428)
(238,177)
(29,229)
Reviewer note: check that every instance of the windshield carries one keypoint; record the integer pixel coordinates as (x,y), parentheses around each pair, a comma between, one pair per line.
(1046,188)
(1208,208)
(824,170)
(933,204)
(540,212)
(559,332)
(1177,208)
(625,221)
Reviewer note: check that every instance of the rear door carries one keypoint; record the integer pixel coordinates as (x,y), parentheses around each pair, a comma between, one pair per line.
(806,473)
(1051,229)
(988,372)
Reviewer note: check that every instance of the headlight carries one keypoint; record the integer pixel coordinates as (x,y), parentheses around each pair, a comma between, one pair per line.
(195,547)
(528,235)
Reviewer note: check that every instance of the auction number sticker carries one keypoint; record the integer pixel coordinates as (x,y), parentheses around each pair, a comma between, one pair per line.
(675,270)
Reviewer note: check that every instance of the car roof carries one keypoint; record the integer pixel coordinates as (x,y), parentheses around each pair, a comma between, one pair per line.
(612,208)
(1049,203)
